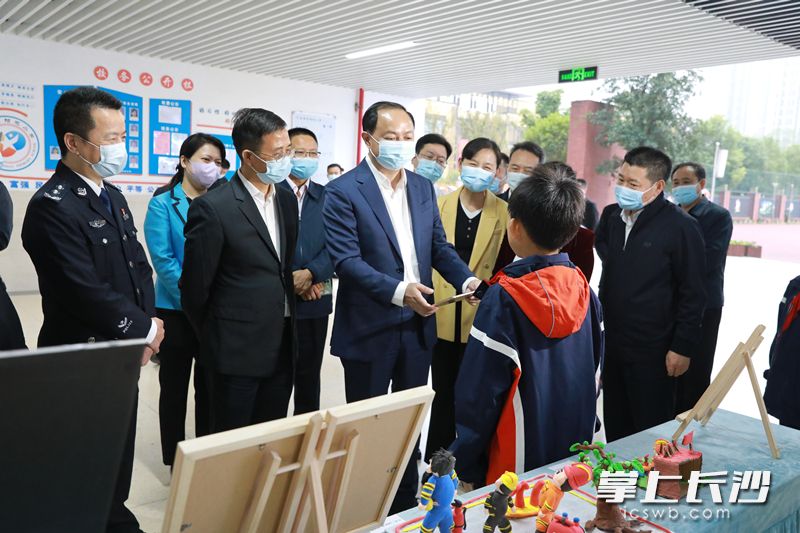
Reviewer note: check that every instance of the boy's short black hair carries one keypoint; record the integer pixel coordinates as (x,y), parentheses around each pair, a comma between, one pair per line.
(73,112)
(657,163)
(433,138)
(531,147)
(582,182)
(370,119)
(252,123)
(504,159)
(225,163)
(337,165)
(294,132)
(549,204)
(442,462)
(697,169)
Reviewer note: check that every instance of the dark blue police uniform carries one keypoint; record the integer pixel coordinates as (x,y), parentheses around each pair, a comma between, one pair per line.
(11,336)
(95,282)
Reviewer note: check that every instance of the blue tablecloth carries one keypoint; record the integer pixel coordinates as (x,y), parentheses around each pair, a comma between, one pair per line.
(729,442)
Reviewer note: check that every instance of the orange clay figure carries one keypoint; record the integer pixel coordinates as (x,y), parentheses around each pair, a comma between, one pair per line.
(547,493)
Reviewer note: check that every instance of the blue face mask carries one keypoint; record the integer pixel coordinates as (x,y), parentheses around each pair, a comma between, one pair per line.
(429,169)
(476,179)
(304,167)
(685,194)
(515,178)
(277,170)
(495,186)
(630,199)
(394,155)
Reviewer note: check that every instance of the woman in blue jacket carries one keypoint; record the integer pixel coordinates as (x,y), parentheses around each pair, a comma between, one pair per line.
(201,156)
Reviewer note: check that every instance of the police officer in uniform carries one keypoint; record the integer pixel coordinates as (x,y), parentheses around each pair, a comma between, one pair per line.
(11,336)
(95,282)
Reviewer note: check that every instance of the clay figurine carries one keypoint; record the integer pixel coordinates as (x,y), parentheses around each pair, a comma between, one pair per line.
(547,493)
(459,517)
(497,503)
(438,491)
(563,524)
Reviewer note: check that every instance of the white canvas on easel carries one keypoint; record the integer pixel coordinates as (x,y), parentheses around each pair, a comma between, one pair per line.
(336,470)
(741,358)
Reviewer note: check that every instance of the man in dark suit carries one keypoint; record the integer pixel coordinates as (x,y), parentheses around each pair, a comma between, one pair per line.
(653,295)
(236,286)
(11,336)
(590,213)
(312,270)
(716,224)
(95,282)
(385,238)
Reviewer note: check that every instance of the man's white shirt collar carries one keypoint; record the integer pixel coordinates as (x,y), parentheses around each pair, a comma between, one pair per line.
(92,185)
(384,182)
(254,192)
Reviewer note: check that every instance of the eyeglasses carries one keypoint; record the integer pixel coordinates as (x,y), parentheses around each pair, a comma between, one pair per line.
(276,156)
(313,154)
(441,160)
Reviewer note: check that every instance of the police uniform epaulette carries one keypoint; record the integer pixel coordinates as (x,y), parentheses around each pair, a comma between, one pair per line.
(55,193)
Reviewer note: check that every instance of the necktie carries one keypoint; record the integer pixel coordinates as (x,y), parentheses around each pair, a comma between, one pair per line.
(106,200)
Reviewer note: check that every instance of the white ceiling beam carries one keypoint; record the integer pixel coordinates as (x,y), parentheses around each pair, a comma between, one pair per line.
(251,36)
(65,26)
(231,18)
(55,21)
(423,32)
(132,17)
(155,31)
(20,4)
(627,28)
(25,16)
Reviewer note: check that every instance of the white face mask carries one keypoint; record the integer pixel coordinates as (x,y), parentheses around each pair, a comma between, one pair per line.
(113,158)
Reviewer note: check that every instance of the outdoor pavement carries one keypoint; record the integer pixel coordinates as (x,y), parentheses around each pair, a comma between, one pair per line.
(752,291)
(778,241)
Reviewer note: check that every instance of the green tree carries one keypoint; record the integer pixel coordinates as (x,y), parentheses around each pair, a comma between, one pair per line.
(701,146)
(551,134)
(648,110)
(493,126)
(548,102)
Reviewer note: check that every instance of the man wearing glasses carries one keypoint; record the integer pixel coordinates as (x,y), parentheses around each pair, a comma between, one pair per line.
(432,152)
(312,270)
(237,285)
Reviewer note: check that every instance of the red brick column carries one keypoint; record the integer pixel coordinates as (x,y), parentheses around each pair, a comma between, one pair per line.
(585,154)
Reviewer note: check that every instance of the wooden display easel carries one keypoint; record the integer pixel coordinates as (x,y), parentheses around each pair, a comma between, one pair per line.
(339,468)
(741,357)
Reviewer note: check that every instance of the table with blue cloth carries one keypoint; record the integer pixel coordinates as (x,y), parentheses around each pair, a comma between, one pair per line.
(729,442)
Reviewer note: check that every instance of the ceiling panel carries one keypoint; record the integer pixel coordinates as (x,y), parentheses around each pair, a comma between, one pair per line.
(461,46)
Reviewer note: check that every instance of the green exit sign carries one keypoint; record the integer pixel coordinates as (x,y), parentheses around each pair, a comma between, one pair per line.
(577,74)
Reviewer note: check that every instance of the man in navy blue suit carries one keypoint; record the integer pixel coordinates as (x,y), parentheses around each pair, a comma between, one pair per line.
(385,238)
(312,270)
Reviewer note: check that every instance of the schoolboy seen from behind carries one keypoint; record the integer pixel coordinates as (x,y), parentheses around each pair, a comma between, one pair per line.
(527,387)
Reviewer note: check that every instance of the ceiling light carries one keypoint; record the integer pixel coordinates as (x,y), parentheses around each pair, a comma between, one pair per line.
(381,50)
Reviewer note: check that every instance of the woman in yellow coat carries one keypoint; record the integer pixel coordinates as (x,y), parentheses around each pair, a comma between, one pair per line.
(474,220)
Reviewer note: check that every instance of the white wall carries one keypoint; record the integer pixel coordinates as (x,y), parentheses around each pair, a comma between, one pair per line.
(35,63)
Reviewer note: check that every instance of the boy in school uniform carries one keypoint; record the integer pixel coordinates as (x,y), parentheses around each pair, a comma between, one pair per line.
(527,388)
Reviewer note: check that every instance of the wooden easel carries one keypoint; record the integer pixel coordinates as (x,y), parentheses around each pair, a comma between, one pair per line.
(741,357)
(337,467)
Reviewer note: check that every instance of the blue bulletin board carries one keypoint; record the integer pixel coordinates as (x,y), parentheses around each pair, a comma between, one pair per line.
(170,125)
(132,106)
